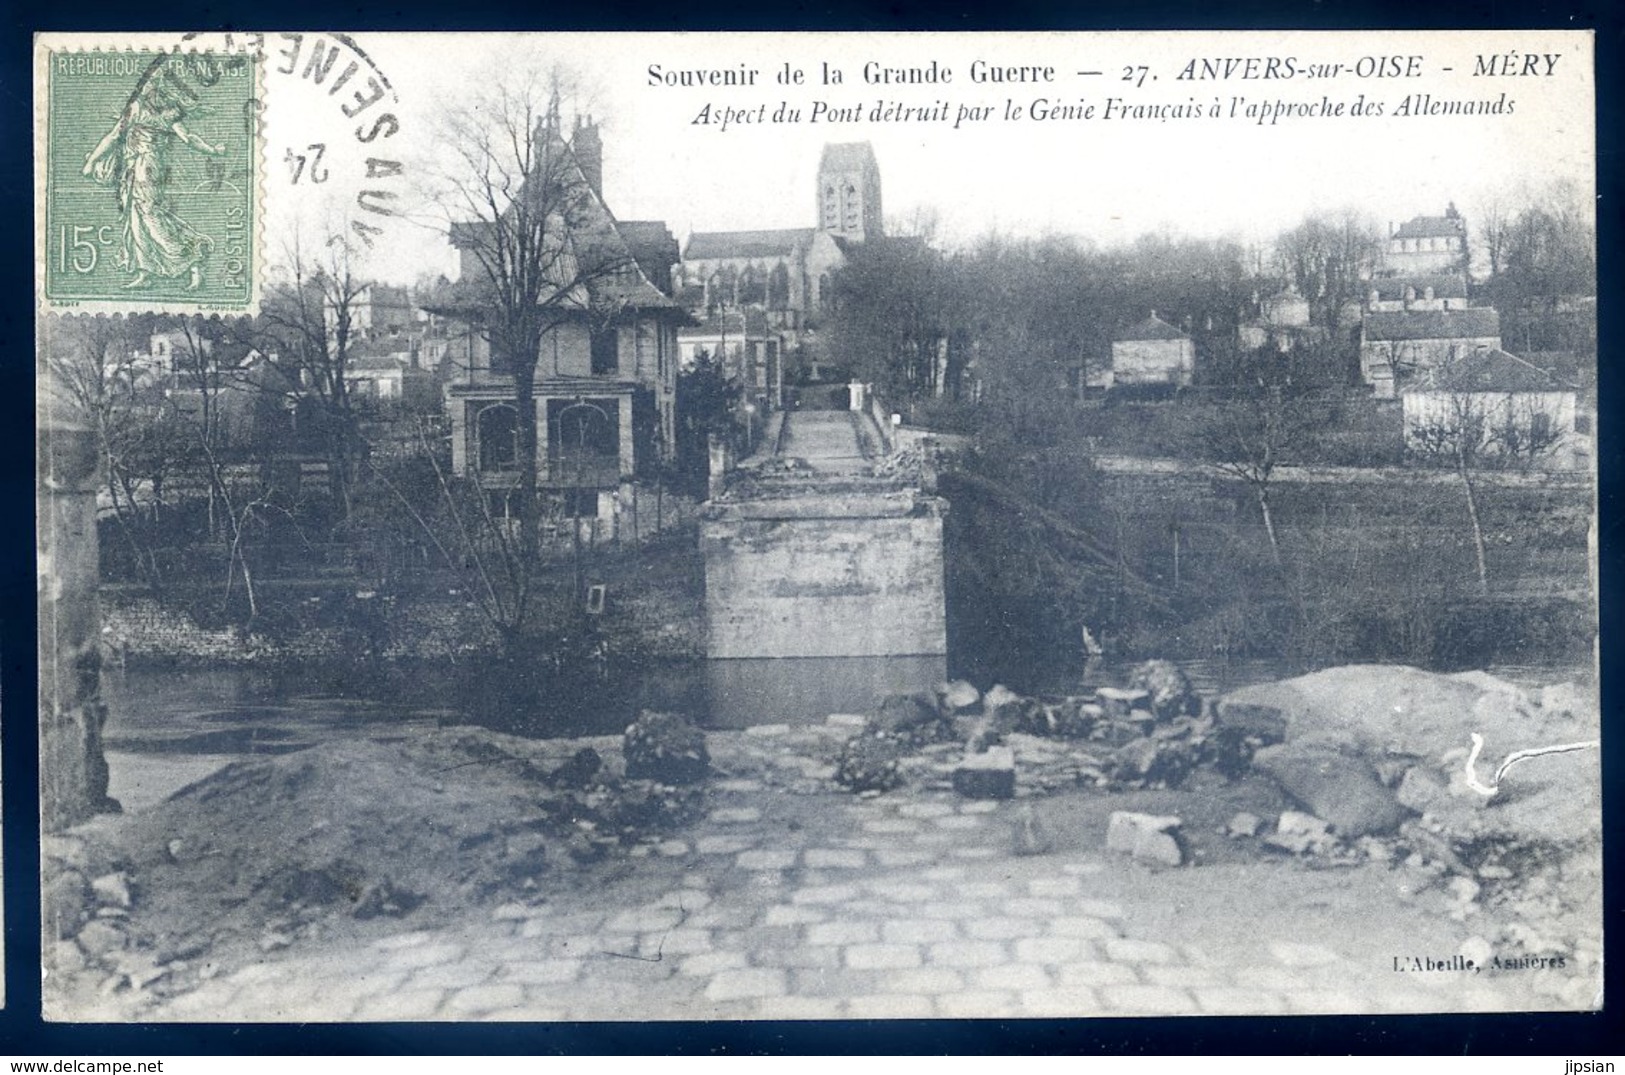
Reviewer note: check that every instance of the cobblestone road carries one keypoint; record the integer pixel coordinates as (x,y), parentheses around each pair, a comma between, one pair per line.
(905,906)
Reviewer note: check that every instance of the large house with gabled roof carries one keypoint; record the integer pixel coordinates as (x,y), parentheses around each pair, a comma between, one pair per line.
(1510,407)
(1399,345)
(606,379)
(1427,244)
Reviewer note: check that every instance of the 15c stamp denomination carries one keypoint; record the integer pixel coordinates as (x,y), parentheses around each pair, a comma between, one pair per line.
(150,179)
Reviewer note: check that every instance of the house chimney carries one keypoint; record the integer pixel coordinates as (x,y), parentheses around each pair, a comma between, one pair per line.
(589,152)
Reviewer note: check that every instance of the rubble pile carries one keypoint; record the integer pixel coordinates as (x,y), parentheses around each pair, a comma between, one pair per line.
(1000,744)
(666,748)
(905,463)
(870,762)
(1383,761)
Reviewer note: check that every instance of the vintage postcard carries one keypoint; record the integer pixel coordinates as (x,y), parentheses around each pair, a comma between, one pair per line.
(815,526)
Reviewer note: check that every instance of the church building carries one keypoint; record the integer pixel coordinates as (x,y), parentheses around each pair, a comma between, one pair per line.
(786,272)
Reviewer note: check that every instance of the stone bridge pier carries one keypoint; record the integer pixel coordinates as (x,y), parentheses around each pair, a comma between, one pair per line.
(72,767)
(808,554)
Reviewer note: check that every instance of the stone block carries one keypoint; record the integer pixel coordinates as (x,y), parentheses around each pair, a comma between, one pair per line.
(1064,1002)
(883,956)
(746,983)
(112,890)
(1148,838)
(989,775)
(978,1004)
(1244,824)
(834,858)
(1148,1000)
(853,721)
(998,696)
(890,1006)
(1159,849)
(957,696)
(838,933)
(1300,834)
(1121,704)
(967,954)
(1341,787)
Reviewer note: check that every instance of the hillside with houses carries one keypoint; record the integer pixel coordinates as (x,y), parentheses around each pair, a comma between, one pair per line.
(1174,398)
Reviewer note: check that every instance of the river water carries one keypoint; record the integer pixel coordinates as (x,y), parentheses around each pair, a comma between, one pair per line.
(240,712)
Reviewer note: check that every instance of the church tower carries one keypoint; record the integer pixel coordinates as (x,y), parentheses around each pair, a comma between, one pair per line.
(849,191)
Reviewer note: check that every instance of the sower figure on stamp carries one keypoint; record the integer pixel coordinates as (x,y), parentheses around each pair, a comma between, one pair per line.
(135,155)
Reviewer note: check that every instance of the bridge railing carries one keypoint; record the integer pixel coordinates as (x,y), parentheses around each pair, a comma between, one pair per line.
(896,436)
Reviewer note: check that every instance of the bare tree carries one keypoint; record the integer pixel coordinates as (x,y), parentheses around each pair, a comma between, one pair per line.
(93,364)
(1328,257)
(1495,219)
(1248,437)
(1454,433)
(519,205)
(308,334)
(1471,432)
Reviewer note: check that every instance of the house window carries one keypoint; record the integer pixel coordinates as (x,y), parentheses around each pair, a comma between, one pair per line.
(581,503)
(498,431)
(1582,423)
(606,351)
(502,504)
(584,441)
(499,361)
(1540,428)
(778,287)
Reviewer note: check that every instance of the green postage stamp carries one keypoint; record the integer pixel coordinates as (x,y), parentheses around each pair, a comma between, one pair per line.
(149,181)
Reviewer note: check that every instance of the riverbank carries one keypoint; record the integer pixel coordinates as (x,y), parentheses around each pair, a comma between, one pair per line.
(652,610)
(456,873)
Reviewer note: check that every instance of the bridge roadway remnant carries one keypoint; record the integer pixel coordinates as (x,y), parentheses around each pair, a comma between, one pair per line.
(800,563)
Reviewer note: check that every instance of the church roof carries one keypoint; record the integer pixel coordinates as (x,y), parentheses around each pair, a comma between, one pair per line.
(1152,328)
(1476,322)
(762,243)
(1490,369)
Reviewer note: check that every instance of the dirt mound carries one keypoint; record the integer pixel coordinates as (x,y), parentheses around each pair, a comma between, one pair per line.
(345,837)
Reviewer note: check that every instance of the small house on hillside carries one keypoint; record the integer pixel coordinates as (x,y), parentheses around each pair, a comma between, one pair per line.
(1151,352)
(747,348)
(1284,309)
(1399,345)
(1281,322)
(1503,406)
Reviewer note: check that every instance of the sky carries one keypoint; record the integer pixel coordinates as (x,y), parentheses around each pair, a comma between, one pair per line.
(1151,157)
